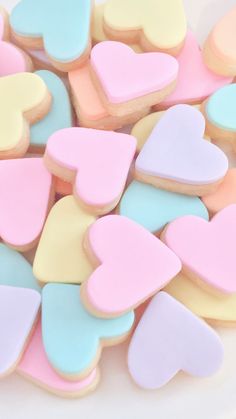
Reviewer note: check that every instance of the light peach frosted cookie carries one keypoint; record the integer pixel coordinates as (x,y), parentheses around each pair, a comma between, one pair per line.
(225,194)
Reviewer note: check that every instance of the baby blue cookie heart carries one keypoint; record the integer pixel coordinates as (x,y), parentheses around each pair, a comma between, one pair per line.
(72,337)
(60,114)
(220,108)
(153,208)
(64,25)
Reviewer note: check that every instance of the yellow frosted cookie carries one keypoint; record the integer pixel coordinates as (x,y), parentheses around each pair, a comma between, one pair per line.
(156,25)
(213,307)
(60,256)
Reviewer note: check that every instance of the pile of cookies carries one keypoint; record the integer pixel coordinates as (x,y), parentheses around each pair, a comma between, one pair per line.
(113,221)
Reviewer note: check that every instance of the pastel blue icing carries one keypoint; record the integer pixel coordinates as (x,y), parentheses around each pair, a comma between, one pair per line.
(220,108)
(60,115)
(70,334)
(15,271)
(63,24)
(153,208)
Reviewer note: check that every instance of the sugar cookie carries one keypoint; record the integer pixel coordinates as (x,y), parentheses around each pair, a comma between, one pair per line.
(132,265)
(153,208)
(156,25)
(89,108)
(176,158)
(18,312)
(42,62)
(26,194)
(220,46)
(73,339)
(96,162)
(149,77)
(35,366)
(170,338)
(60,256)
(24,100)
(59,116)
(63,188)
(6,27)
(206,249)
(225,194)
(61,28)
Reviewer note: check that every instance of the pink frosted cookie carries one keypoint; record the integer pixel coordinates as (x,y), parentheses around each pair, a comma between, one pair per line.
(225,194)
(96,162)
(18,312)
(149,77)
(220,46)
(206,249)
(170,338)
(35,366)
(89,107)
(176,157)
(132,265)
(26,195)
(195,81)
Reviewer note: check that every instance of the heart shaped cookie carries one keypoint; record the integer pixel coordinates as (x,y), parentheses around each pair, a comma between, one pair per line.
(35,25)
(26,194)
(224,195)
(72,338)
(206,249)
(175,157)
(153,208)
(170,338)
(60,256)
(216,309)
(24,99)
(149,77)
(195,81)
(18,311)
(59,116)
(220,46)
(133,265)
(96,162)
(155,24)
(34,366)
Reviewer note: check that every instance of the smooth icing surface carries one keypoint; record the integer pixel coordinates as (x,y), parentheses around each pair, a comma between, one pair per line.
(225,194)
(25,189)
(144,73)
(153,208)
(71,336)
(18,310)
(176,150)
(60,114)
(195,81)
(201,302)
(20,93)
(42,19)
(36,367)
(60,256)
(170,338)
(15,271)
(163,22)
(134,265)
(101,158)
(207,248)
(220,108)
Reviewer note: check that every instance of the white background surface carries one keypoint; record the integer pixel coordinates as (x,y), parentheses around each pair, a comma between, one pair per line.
(117,397)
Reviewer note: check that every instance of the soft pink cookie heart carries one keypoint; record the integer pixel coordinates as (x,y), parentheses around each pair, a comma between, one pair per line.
(26,195)
(18,311)
(97,162)
(206,249)
(133,265)
(170,338)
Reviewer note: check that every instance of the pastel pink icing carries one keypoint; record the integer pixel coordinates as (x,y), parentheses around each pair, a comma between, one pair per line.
(25,189)
(207,248)
(134,264)
(144,73)
(35,365)
(101,159)
(195,81)
(170,338)
(18,311)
